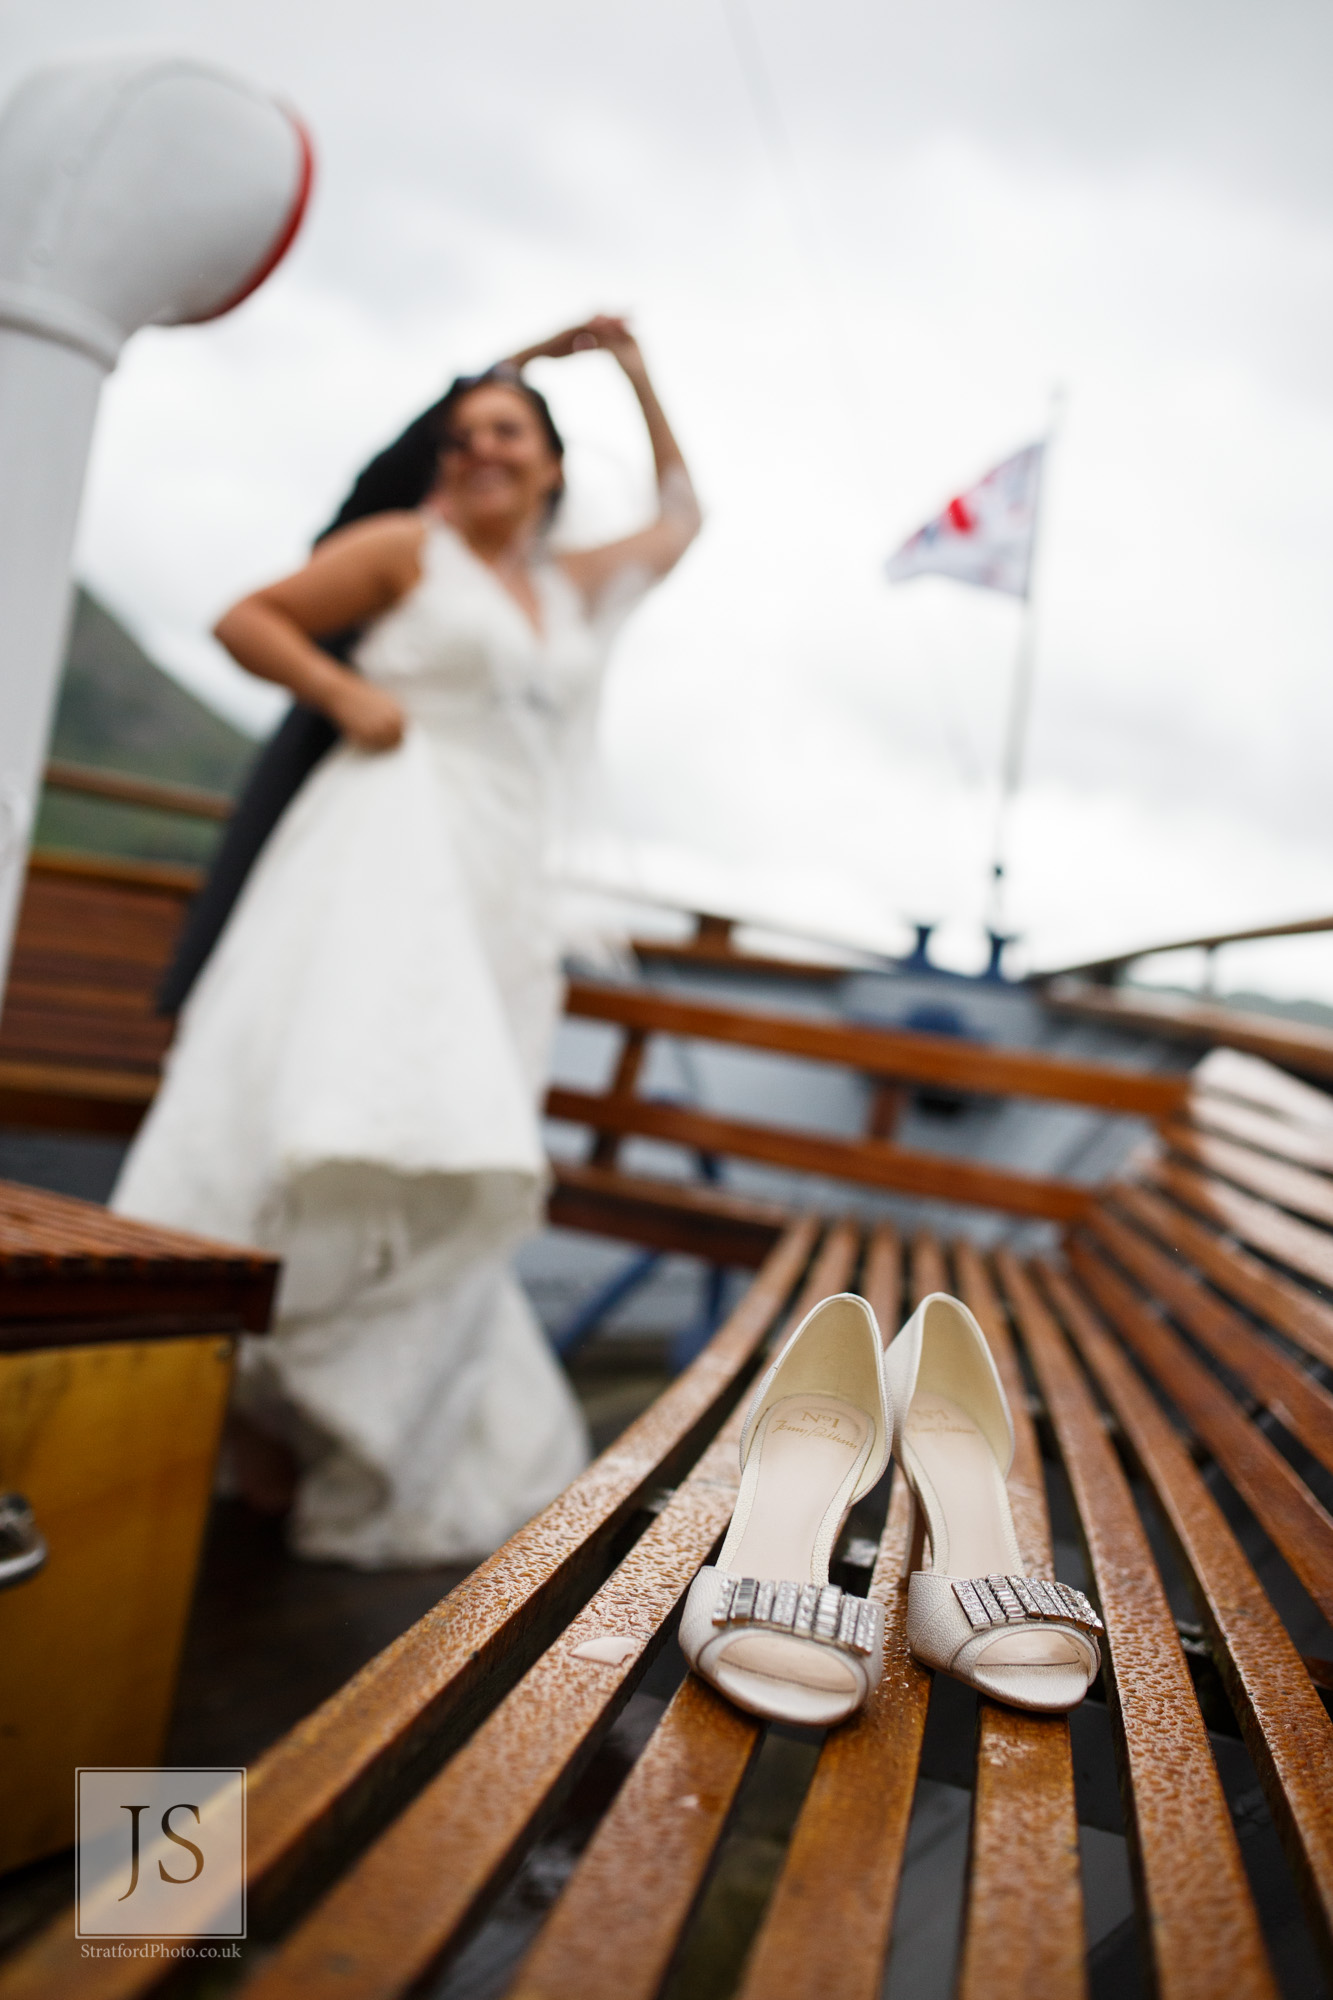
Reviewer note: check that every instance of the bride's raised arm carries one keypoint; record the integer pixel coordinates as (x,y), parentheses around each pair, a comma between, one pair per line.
(659,547)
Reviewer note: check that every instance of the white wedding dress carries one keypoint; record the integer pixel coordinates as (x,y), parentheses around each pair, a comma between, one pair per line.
(356,1079)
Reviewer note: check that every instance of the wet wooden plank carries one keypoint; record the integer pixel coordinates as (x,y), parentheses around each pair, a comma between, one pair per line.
(927,1270)
(1301,1145)
(873,1162)
(828,1923)
(648,1860)
(310,1794)
(1200,1928)
(1286,1727)
(882,1279)
(1296,1188)
(1023,1914)
(1250,1080)
(896,1053)
(1282,1237)
(841,1875)
(1292,1394)
(649,1857)
(394,1915)
(1271,1488)
(1285,1305)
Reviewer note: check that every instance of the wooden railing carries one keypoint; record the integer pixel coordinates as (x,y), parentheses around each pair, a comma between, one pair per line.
(895,1053)
(887,1055)
(121,789)
(1104,970)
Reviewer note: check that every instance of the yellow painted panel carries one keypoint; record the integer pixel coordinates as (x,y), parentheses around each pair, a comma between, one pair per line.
(114,1445)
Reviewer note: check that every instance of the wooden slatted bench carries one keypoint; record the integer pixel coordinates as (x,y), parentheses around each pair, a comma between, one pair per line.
(891,1058)
(81,1043)
(1168,1373)
(81,1046)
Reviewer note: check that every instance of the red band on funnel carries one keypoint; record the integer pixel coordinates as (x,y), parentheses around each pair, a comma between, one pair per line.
(282,242)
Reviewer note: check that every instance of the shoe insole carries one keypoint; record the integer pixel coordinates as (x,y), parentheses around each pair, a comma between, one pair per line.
(967,1512)
(807,1450)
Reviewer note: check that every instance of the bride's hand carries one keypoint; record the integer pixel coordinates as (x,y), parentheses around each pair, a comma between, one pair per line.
(604,330)
(366,715)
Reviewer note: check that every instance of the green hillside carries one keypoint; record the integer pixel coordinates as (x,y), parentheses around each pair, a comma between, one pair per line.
(120,711)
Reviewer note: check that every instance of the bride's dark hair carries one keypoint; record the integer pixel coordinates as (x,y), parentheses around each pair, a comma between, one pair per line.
(402,474)
(399,477)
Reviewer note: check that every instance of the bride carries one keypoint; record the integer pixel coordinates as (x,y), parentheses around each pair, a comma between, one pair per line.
(356,1080)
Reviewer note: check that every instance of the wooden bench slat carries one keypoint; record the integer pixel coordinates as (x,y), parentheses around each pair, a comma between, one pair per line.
(650,1855)
(828,1923)
(1285,1725)
(1198,1917)
(168,879)
(134,1088)
(126,790)
(927,1270)
(104,993)
(1265,1228)
(1023,1913)
(1300,1145)
(1285,1305)
(311,1791)
(874,1162)
(394,1915)
(691,1216)
(1293,1396)
(648,1859)
(885,1051)
(39,1034)
(1291,1044)
(842,1870)
(1250,1080)
(1290,1187)
(882,1279)
(1270,1486)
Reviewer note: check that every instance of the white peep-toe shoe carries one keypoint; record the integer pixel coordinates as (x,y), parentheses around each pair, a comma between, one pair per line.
(763,1623)
(973,1613)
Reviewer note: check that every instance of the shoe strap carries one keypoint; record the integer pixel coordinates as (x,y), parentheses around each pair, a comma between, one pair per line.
(989,1601)
(805,1610)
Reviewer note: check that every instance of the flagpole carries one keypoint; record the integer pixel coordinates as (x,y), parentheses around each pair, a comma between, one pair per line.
(1020,703)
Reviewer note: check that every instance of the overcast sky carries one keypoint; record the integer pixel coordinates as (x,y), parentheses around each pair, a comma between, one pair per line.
(862,244)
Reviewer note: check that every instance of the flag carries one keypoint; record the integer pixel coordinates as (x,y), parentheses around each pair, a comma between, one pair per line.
(985,536)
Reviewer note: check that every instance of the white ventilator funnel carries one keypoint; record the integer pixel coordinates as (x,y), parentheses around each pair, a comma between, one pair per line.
(148,191)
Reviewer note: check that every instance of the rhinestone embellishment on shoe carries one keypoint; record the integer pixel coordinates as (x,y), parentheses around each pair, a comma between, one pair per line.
(1019,1600)
(806,1610)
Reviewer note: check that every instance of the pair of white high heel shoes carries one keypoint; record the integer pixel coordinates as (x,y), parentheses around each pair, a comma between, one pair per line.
(765,1625)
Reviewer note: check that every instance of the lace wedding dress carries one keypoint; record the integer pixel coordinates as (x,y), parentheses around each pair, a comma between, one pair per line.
(356,1078)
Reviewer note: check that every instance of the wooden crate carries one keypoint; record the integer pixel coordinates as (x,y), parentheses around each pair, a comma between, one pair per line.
(115,1358)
